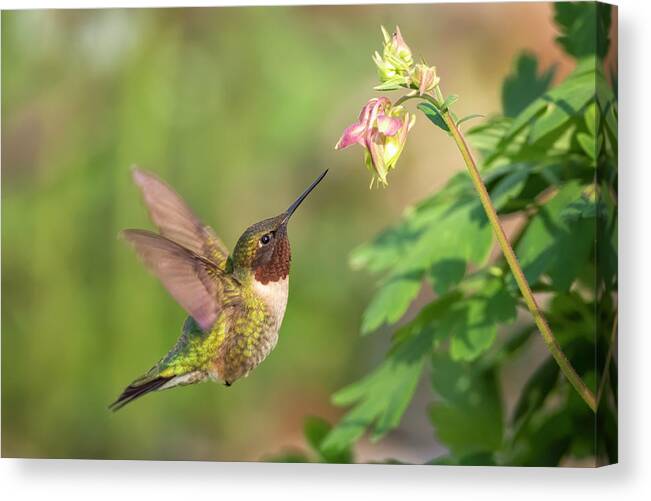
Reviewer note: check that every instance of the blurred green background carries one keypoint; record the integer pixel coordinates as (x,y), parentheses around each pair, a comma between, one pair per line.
(239,109)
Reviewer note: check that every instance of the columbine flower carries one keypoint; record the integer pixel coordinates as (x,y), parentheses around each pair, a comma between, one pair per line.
(395,63)
(381,130)
(424,77)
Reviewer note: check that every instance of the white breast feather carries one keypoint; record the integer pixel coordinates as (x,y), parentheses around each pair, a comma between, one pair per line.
(274,294)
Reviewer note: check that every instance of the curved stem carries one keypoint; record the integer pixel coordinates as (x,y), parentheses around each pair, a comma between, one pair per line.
(552,344)
(412,95)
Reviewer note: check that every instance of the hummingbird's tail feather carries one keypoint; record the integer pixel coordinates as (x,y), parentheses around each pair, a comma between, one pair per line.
(137,389)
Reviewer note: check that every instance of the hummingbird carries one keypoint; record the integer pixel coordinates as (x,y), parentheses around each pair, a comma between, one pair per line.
(235,303)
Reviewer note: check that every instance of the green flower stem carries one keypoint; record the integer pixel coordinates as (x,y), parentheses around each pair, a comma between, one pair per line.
(512,260)
(548,337)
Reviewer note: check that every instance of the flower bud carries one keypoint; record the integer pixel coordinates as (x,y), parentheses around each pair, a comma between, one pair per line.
(396,61)
(424,78)
(396,45)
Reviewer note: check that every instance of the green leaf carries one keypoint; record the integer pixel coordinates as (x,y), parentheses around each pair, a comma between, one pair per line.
(556,107)
(446,273)
(574,320)
(588,145)
(469,117)
(459,232)
(592,141)
(606,114)
(584,28)
(516,341)
(472,324)
(389,85)
(486,137)
(510,186)
(449,101)
(536,390)
(315,430)
(556,245)
(583,207)
(558,112)
(391,302)
(452,225)
(468,417)
(607,239)
(381,398)
(524,85)
(556,422)
(544,440)
(591,118)
(434,115)
(386,249)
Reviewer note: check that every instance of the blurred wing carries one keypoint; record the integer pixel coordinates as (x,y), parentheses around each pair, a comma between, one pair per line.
(176,221)
(194,281)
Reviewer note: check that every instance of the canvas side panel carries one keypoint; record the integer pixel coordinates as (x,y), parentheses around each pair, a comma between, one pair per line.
(606,155)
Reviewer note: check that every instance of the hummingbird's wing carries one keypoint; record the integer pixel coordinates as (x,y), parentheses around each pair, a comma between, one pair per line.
(197,283)
(176,221)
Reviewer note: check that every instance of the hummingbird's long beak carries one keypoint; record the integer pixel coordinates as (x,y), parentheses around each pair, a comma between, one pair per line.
(297,202)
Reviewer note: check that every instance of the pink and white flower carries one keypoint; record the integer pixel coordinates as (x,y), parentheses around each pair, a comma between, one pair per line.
(381,130)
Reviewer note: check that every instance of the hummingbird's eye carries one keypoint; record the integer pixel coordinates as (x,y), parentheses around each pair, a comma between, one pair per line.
(265,239)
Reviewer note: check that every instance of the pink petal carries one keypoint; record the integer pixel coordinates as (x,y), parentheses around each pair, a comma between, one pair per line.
(399,42)
(367,110)
(422,88)
(375,148)
(385,102)
(378,109)
(352,134)
(389,126)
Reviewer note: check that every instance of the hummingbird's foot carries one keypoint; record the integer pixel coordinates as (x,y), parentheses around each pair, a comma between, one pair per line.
(226,383)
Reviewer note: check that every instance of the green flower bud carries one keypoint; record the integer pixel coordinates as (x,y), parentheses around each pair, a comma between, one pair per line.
(396,61)
(424,78)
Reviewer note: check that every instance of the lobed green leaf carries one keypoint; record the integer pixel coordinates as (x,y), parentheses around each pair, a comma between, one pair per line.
(390,302)
(436,240)
(556,245)
(380,399)
(584,28)
(446,273)
(472,324)
(468,416)
(315,430)
(524,85)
